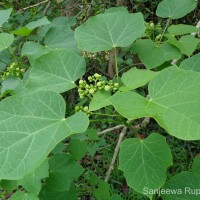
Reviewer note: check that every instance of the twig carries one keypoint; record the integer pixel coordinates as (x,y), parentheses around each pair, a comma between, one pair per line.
(35,5)
(46,8)
(110,129)
(121,136)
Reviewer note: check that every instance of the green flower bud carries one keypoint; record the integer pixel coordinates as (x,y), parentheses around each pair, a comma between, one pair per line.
(107,87)
(77,108)
(86,108)
(116,84)
(97,75)
(81,82)
(99,84)
(91,91)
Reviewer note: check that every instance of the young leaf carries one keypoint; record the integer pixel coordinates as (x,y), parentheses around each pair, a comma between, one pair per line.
(154,55)
(184,186)
(78,148)
(187,44)
(32,182)
(57,74)
(61,37)
(40,22)
(129,104)
(175,9)
(103,191)
(33,51)
(6,40)
(135,78)
(10,84)
(196,165)
(4,15)
(57,22)
(63,170)
(48,194)
(182,29)
(145,162)
(192,63)
(23,196)
(31,126)
(101,33)
(99,100)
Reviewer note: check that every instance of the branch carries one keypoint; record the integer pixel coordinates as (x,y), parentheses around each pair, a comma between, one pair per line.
(110,129)
(121,136)
(32,6)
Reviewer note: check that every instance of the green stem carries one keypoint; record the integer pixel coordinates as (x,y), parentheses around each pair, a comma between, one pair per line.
(105,115)
(116,65)
(166,26)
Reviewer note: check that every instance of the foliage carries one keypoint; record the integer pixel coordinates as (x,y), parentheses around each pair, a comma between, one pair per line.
(49,97)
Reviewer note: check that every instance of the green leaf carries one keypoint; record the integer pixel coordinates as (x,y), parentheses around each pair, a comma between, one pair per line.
(10,84)
(57,22)
(6,40)
(32,182)
(174,103)
(63,170)
(145,162)
(49,194)
(33,50)
(184,186)
(9,184)
(99,100)
(103,191)
(61,37)
(40,22)
(187,44)
(78,148)
(101,33)
(4,15)
(57,74)
(31,126)
(116,197)
(153,55)
(129,104)
(24,31)
(175,9)
(116,9)
(196,165)
(23,196)
(182,29)
(192,63)
(135,78)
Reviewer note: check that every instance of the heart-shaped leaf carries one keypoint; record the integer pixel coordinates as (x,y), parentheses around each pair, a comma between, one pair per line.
(6,40)
(31,126)
(144,162)
(108,30)
(175,9)
(174,103)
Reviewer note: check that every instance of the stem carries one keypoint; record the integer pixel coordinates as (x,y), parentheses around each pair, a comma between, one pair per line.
(116,65)
(166,26)
(105,114)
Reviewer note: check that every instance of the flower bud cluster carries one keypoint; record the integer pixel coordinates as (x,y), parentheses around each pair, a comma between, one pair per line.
(153,31)
(95,83)
(84,109)
(13,71)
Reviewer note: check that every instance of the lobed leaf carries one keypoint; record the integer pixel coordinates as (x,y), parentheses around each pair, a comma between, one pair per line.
(31,126)
(101,33)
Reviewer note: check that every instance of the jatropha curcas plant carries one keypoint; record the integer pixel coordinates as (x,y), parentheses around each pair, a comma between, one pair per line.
(34,120)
